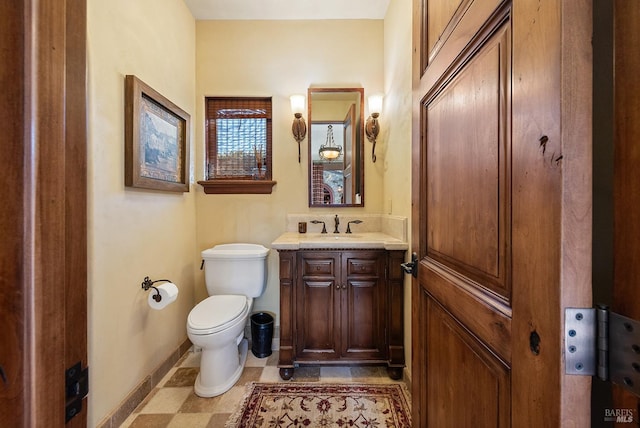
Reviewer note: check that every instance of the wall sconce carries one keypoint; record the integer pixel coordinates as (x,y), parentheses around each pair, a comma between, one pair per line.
(372,128)
(299,127)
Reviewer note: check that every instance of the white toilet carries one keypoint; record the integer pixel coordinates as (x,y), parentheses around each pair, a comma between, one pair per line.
(234,275)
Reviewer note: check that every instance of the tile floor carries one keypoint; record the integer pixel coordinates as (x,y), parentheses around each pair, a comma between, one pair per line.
(174,404)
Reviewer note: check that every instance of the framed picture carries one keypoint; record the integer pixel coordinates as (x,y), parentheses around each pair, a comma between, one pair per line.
(156,140)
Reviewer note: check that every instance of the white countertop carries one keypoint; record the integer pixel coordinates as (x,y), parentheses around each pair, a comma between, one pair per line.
(296,241)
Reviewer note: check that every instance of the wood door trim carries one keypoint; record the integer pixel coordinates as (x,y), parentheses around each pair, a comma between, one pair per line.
(46,109)
(76,263)
(626,189)
(45,188)
(577,194)
(551,204)
(14,302)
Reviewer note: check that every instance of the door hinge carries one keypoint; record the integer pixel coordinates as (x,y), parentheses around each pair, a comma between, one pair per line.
(602,343)
(77,386)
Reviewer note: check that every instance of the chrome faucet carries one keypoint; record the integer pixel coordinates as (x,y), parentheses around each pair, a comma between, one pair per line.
(337,222)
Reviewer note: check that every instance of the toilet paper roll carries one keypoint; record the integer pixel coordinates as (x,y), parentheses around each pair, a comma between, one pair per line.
(168,293)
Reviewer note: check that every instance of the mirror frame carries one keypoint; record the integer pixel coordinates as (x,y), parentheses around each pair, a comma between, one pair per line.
(360,143)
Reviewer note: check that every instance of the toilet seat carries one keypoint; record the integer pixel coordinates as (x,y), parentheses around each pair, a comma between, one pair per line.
(216,313)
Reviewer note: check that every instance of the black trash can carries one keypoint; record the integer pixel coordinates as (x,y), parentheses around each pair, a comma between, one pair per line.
(261,334)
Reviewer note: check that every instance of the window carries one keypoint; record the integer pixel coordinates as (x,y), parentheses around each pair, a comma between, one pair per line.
(238,145)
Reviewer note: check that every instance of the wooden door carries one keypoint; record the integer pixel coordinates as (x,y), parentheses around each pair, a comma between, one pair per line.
(363,306)
(317,326)
(626,182)
(350,155)
(502,201)
(43,268)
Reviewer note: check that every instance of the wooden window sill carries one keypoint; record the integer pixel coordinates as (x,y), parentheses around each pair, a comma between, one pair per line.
(214,187)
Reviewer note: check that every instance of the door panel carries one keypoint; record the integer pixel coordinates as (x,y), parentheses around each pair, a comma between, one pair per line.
(462,370)
(319,335)
(318,306)
(450,22)
(467,191)
(441,17)
(363,306)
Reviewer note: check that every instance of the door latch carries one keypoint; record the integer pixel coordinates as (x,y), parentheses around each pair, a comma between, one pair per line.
(603,343)
(412,266)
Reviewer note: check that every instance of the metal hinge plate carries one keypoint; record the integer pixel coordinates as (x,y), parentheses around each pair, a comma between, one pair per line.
(603,343)
(77,386)
(580,341)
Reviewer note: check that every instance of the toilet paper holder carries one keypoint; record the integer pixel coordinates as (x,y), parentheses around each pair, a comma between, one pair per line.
(147,284)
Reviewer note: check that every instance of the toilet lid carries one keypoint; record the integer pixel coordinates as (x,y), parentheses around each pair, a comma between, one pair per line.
(215,312)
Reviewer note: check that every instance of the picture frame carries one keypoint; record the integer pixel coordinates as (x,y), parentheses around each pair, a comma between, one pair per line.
(156,140)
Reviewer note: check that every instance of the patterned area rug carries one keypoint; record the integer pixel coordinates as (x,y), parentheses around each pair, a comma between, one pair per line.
(276,405)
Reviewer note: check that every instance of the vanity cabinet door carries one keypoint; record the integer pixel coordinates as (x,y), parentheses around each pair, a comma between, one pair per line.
(363,306)
(318,306)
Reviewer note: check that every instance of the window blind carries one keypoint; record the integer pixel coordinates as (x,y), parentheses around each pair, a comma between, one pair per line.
(238,138)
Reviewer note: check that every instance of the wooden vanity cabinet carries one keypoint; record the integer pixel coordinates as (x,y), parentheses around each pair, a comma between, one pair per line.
(341,307)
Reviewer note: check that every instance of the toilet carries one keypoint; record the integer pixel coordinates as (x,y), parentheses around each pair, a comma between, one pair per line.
(235,274)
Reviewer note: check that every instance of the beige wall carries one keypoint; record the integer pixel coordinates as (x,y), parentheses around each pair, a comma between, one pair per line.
(278,59)
(134,233)
(394,148)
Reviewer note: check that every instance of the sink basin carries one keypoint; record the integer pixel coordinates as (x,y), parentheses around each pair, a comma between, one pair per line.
(342,240)
(331,237)
(296,241)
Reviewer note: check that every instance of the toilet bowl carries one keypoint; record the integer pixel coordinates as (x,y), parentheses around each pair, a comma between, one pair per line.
(217,326)
(234,275)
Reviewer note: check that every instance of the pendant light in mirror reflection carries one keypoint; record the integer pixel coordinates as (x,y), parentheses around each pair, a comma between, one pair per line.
(329,150)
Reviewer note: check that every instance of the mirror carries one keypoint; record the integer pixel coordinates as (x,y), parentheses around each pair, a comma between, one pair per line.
(336,161)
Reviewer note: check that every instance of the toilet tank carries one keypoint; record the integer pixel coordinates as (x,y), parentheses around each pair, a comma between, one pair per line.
(236,269)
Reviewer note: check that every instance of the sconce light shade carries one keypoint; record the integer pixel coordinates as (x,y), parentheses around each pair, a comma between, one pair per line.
(372,128)
(299,127)
(297,104)
(375,103)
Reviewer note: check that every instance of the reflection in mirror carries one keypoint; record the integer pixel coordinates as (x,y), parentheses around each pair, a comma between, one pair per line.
(336,166)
